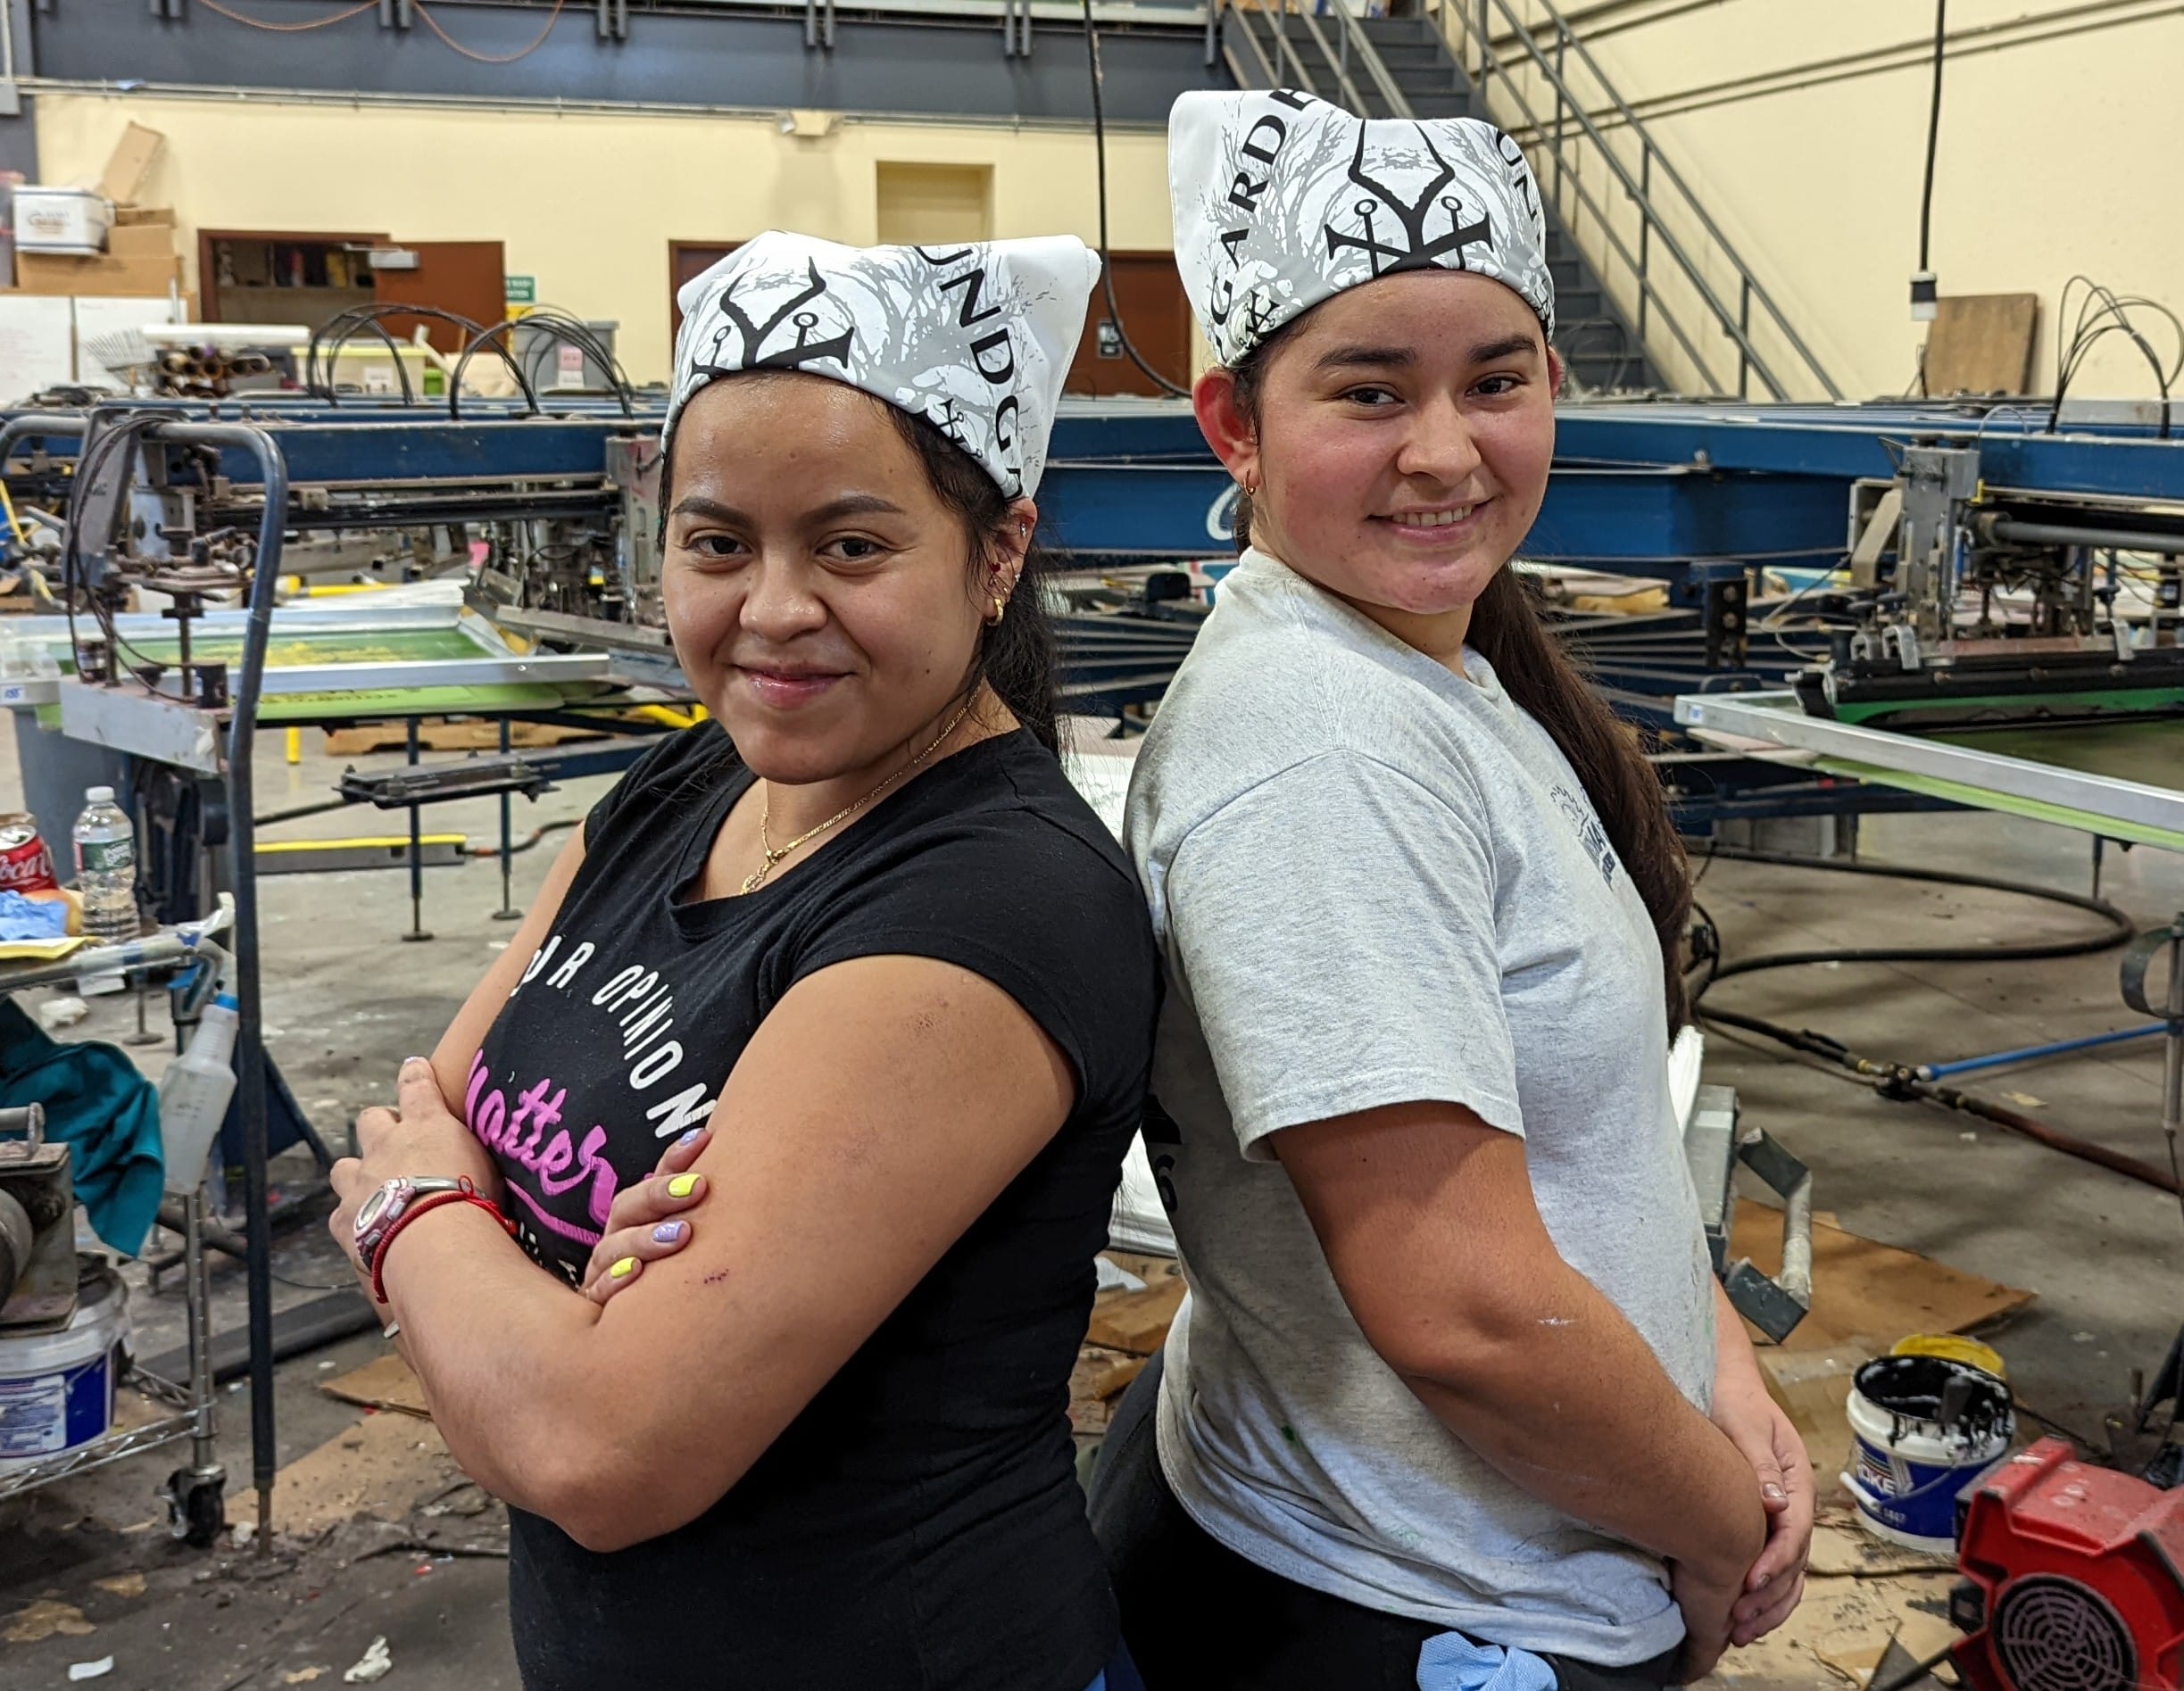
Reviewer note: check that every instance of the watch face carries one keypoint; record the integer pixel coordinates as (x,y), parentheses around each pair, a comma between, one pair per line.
(373,1207)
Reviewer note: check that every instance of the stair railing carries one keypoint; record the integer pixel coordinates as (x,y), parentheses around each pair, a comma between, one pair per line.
(1339,63)
(1376,71)
(1466,26)
(1359,45)
(1235,18)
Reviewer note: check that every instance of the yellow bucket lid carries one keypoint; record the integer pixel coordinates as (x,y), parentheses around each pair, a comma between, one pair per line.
(1952,1347)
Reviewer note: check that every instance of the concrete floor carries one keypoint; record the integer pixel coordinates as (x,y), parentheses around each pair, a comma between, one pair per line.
(347,999)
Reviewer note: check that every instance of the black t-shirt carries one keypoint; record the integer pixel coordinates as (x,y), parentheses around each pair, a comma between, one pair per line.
(918,1524)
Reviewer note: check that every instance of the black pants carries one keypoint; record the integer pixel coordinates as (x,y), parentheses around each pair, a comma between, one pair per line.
(1199,1617)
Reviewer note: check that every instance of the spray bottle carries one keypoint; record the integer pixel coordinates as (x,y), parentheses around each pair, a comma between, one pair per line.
(194,1094)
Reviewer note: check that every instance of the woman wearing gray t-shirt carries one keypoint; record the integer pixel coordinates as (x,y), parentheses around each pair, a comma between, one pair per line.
(1454,1394)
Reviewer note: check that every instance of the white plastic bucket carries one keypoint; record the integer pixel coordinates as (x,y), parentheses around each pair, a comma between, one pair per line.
(1924,1431)
(56,1389)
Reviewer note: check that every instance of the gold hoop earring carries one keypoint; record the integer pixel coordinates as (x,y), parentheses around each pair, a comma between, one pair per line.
(1250,484)
(1000,608)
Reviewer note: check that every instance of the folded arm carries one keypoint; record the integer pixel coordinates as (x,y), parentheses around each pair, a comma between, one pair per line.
(882,1106)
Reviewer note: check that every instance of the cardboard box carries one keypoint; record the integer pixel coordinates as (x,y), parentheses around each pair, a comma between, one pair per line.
(129,164)
(125,214)
(47,273)
(140,241)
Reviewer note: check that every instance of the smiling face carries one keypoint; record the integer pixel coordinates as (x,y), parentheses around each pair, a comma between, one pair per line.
(819,591)
(1401,441)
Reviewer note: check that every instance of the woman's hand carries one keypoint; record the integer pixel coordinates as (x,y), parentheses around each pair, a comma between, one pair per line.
(641,1226)
(1708,1600)
(419,1136)
(1763,1435)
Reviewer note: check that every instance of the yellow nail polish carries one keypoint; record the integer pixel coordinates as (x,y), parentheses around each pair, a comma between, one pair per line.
(682,1186)
(623,1269)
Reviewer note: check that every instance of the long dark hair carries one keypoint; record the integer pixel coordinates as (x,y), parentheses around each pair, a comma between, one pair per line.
(1016,656)
(1538,674)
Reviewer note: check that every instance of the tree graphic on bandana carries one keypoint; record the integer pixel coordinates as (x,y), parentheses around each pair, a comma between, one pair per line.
(1283,200)
(974,338)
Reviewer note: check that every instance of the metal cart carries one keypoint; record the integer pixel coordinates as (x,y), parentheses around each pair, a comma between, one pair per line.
(195,1493)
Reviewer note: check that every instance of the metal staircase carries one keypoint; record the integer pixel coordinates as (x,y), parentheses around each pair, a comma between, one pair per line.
(1638,274)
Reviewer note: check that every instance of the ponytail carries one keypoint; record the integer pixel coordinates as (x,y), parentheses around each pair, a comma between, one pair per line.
(1538,674)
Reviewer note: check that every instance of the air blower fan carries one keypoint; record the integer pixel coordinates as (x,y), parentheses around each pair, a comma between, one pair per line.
(2073,1579)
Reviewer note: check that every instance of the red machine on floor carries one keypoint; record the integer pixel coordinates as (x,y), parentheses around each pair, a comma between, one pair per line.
(2073,1579)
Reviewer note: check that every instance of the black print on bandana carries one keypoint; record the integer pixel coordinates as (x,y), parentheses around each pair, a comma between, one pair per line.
(1410,247)
(795,311)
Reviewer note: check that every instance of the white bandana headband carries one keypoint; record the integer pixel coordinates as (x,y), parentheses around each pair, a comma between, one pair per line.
(1281,201)
(975,339)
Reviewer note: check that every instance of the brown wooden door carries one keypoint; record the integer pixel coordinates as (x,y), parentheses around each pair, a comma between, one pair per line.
(686,261)
(463,276)
(1157,317)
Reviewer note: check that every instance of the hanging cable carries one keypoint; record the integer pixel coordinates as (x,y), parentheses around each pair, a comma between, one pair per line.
(1107,269)
(2117,928)
(1933,135)
(432,24)
(1900,1081)
(218,10)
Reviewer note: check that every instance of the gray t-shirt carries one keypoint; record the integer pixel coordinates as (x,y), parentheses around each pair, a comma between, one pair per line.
(1376,881)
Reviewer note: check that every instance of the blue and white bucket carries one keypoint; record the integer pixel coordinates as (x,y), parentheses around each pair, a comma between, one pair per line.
(1924,1431)
(56,1388)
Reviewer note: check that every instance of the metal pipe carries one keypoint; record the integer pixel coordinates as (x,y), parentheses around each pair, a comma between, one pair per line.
(2129,540)
(416,853)
(1796,1276)
(2031,1053)
(1376,67)
(508,911)
(1676,247)
(34,424)
(2173,1059)
(1706,221)
(1341,68)
(250,1019)
(197,1298)
(1622,250)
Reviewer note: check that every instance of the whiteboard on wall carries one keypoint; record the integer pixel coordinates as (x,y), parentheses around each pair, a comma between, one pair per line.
(107,315)
(37,344)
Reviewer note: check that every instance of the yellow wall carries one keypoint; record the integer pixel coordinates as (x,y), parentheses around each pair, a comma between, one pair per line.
(586,204)
(2057,154)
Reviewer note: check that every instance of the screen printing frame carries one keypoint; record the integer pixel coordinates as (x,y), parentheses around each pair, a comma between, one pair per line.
(2107,805)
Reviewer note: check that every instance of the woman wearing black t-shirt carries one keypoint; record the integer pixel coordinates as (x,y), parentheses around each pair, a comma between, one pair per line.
(883,988)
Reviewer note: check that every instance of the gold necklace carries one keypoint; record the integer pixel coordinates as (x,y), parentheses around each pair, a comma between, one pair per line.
(774,853)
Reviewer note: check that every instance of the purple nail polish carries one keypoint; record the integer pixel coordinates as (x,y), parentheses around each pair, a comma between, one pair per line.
(691,1137)
(668,1232)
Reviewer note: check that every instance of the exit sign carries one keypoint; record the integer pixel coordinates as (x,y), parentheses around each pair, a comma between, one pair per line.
(520,290)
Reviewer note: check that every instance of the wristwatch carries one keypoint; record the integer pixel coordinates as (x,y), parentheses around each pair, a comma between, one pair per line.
(381,1212)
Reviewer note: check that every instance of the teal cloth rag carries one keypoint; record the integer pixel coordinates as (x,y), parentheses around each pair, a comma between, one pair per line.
(105,1110)
(1450,1662)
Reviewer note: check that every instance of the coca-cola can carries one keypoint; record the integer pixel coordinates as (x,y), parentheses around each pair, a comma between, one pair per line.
(26,866)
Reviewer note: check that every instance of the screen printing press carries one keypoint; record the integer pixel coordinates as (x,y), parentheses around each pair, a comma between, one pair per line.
(1969,542)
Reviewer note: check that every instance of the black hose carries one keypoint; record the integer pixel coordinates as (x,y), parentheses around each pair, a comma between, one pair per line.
(1107,269)
(2118,930)
(1900,1081)
(530,841)
(1933,133)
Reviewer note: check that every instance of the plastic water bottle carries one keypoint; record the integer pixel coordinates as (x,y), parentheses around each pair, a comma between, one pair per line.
(194,1094)
(106,868)
(107,880)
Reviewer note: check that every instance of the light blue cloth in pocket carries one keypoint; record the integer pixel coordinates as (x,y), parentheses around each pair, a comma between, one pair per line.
(1450,1662)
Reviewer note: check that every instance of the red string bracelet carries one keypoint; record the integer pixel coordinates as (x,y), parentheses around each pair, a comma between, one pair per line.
(469,1194)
